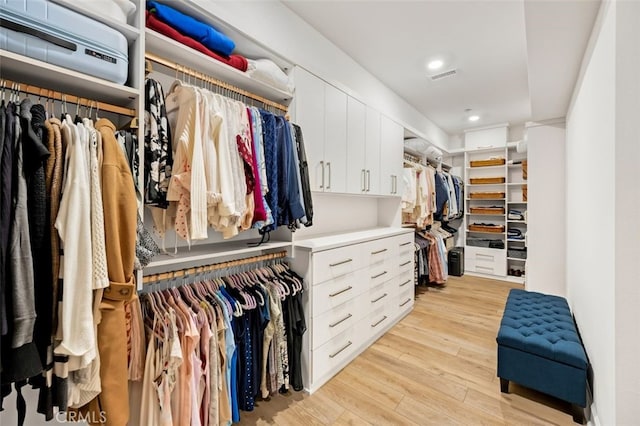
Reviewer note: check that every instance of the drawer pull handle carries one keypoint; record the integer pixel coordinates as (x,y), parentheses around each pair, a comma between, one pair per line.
(405,302)
(405,283)
(379,298)
(379,275)
(341,263)
(406,244)
(340,292)
(340,321)
(379,321)
(341,349)
(484,267)
(378,251)
(405,263)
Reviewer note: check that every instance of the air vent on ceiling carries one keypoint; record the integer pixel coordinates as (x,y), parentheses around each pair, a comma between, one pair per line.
(445,74)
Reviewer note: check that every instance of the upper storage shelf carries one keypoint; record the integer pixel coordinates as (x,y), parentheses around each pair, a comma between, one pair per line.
(170,49)
(130,32)
(24,69)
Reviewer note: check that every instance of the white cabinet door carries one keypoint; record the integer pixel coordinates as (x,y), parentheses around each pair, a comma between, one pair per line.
(310,115)
(391,153)
(335,140)
(356,168)
(372,151)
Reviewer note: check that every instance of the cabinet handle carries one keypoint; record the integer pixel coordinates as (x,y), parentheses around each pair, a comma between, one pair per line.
(341,263)
(340,321)
(368,180)
(341,349)
(406,244)
(378,322)
(391,184)
(484,267)
(379,298)
(378,251)
(322,167)
(362,180)
(395,184)
(340,292)
(405,263)
(405,283)
(329,166)
(405,302)
(379,275)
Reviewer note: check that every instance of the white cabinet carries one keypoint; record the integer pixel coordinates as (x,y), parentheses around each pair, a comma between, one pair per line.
(372,151)
(321,110)
(391,152)
(335,140)
(359,287)
(356,147)
(309,114)
(363,149)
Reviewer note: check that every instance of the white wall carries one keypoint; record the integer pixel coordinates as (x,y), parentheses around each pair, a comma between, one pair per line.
(627,223)
(277,27)
(546,209)
(603,201)
(590,168)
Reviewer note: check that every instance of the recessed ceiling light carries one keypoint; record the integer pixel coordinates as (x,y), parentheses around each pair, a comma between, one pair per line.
(474,117)
(436,64)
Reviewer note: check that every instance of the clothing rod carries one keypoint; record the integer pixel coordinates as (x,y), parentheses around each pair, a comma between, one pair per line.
(64,97)
(213,267)
(201,76)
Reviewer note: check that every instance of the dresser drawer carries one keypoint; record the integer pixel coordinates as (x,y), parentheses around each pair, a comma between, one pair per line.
(405,263)
(379,273)
(405,299)
(486,260)
(336,352)
(377,251)
(404,280)
(335,321)
(380,295)
(405,244)
(336,262)
(335,292)
(377,320)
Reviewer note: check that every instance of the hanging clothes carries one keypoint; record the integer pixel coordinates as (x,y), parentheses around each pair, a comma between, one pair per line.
(246,167)
(221,341)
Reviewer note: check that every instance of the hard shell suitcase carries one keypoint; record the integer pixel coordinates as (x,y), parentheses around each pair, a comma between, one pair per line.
(44,30)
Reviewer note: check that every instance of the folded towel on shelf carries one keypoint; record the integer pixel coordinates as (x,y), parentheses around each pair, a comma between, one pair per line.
(118,10)
(189,26)
(267,71)
(236,61)
(515,215)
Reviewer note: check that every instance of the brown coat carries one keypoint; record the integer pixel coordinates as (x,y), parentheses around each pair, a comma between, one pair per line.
(120,216)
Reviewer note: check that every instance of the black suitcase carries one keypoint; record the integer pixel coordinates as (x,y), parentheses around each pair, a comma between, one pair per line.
(456,261)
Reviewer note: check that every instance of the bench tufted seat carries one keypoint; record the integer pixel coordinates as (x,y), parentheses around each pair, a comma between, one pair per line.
(539,347)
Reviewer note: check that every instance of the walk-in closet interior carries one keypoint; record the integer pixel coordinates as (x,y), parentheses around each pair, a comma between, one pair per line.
(319,212)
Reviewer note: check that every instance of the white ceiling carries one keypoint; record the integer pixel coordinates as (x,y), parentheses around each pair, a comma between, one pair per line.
(516,60)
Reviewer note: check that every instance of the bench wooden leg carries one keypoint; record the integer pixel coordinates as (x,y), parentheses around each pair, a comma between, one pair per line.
(504,385)
(578,414)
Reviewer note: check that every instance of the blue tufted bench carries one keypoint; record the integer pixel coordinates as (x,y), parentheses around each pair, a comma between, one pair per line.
(539,347)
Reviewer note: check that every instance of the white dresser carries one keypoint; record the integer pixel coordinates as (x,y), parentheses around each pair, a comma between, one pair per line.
(359,285)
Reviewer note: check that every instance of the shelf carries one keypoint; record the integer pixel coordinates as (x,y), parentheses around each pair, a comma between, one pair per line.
(516,183)
(517,202)
(516,221)
(514,279)
(515,258)
(484,214)
(207,253)
(486,184)
(176,52)
(486,167)
(485,232)
(515,241)
(131,33)
(485,199)
(487,149)
(23,69)
(514,165)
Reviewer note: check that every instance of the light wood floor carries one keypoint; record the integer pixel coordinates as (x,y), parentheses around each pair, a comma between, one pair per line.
(437,366)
